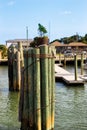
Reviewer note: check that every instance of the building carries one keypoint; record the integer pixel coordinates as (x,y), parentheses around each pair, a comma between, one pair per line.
(59,46)
(78,46)
(74,46)
(25,43)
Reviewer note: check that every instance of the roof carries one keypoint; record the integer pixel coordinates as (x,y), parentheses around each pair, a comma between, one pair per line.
(24,42)
(19,40)
(77,44)
(56,43)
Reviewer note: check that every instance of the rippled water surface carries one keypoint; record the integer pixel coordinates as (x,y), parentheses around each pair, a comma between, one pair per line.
(8,103)
(70,105)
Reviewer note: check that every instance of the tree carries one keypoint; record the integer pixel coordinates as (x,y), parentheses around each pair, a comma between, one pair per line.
(4,50)
(42,30)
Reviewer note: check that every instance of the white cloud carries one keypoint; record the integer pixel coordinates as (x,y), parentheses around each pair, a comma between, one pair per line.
(11,3)
(66,12)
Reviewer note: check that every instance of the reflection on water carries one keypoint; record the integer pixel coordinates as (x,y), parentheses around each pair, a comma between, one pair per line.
(8,104)
(70,106)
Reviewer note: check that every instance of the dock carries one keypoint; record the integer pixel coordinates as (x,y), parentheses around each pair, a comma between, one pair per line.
(67,77)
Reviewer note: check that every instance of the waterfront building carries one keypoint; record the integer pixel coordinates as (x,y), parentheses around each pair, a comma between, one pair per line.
(75,47)
(25,42)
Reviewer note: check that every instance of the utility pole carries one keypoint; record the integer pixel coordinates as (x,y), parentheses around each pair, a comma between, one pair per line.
(49,31)
(27,35)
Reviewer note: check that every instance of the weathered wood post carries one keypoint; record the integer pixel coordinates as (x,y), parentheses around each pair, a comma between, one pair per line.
(37,89)
(10,68)
(64,60)
(25,110)
(82,63)
(75,57)
(18,76)
(20,49)
(44,87)
(30,84)
(50,83)
(53,88)
(60,58)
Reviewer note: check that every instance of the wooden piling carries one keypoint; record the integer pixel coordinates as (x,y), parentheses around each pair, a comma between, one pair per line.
(75,57)
(20,49)
(14,69)
(60,58)
(37,89)
(10,69)
(81,63)
(25,111)
(53,89)
(18,76)
(44,88)
(50,84)
(64,60)
(30,69)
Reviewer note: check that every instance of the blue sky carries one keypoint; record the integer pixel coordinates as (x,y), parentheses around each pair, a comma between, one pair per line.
(61,18)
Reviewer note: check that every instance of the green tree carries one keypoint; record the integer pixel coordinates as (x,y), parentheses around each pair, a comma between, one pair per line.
(4,50)
(42,30)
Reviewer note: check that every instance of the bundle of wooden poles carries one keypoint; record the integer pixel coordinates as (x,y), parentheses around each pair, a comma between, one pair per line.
(15,63)
(37,95)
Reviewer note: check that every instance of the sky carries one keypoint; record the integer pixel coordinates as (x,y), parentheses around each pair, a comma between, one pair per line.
(61,18)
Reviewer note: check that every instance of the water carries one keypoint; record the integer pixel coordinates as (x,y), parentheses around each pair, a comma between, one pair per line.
(8,103)
(70,105)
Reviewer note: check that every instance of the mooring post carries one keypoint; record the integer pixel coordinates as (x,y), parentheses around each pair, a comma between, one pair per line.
(18,85)
(30,70)
(10,68)
(20,48)
(25,110)
(37,89)
(75,57)
(60,58)
(14,68)
(82,63)
(53,88)
(44,87)
(64,60)
(50,83)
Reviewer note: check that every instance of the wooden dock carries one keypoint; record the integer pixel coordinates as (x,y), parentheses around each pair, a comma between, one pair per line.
(67,77)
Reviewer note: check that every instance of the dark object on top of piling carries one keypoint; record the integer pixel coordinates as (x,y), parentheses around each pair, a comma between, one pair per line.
(39,41)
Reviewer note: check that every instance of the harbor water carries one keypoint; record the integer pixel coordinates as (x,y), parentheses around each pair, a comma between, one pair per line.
(70,105)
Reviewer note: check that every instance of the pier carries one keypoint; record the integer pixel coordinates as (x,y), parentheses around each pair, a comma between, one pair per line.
(67,77)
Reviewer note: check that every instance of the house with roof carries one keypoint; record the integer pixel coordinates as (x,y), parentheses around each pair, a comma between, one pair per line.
(25,42)
(78,46)
(74,46)
(58,45)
